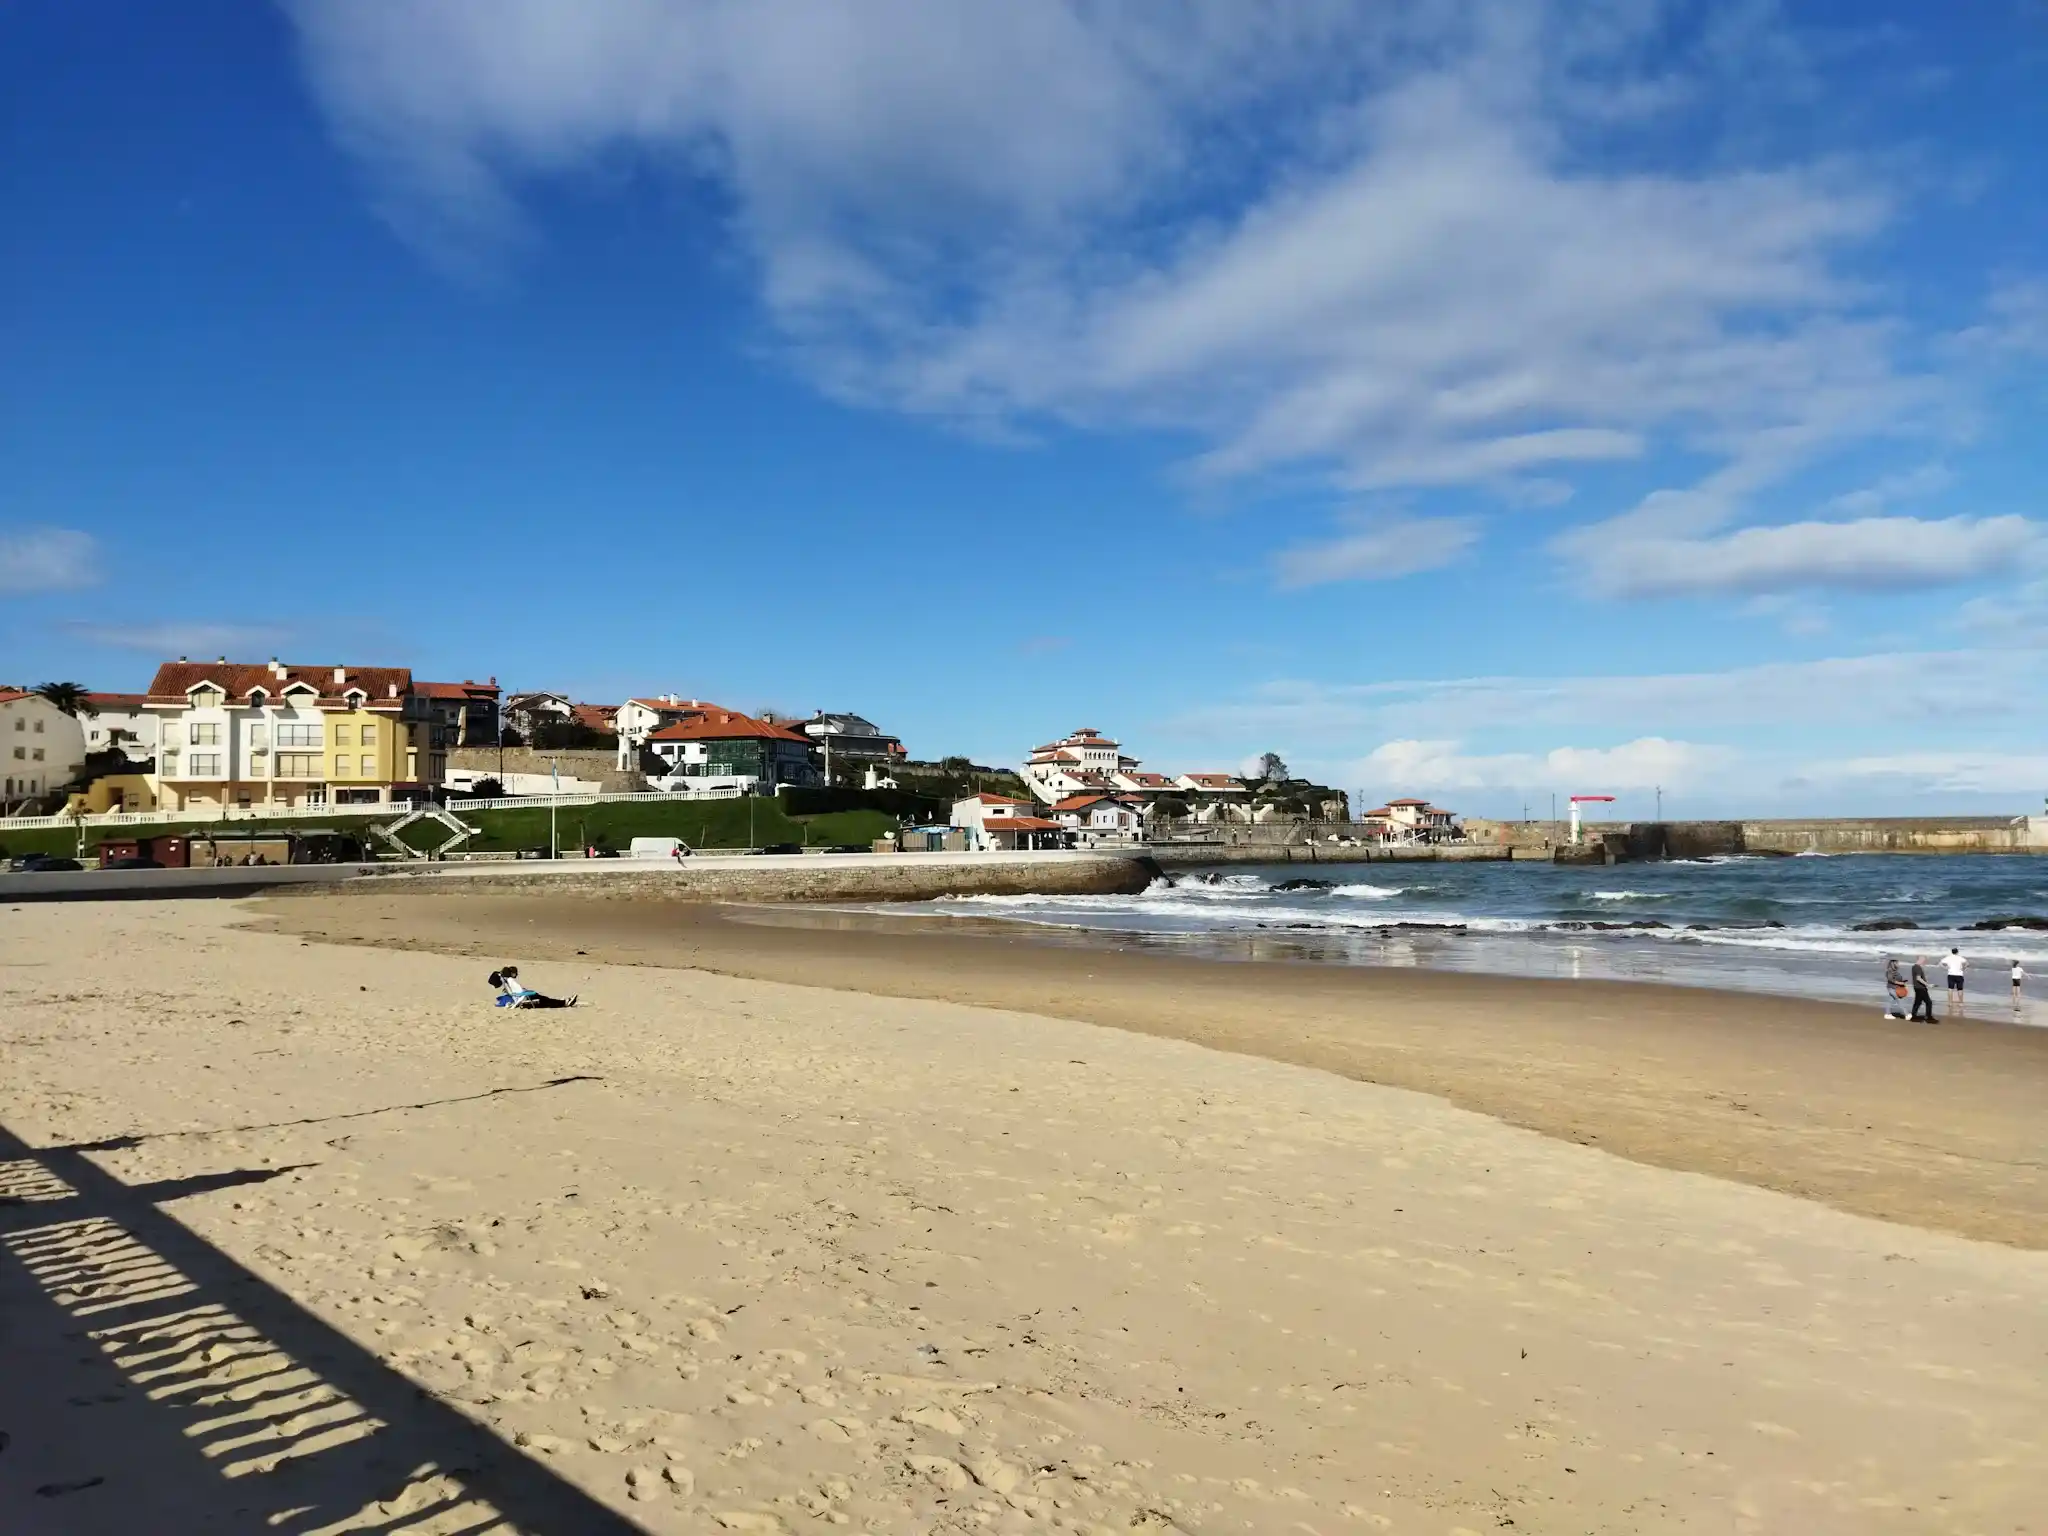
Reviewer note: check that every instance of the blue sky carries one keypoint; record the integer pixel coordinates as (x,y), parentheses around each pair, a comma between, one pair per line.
(1476,399)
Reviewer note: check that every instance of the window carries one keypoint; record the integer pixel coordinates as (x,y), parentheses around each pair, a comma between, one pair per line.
(369,767)
(20,723)
(341,768)
(341,735)
(258,739)
(298,735)
(369,735)
(298,765)
(205,765)
(204,698)
(21,752)
(206,735)
(39,727)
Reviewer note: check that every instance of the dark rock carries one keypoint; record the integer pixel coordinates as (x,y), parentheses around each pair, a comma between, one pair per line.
(1306,885)
(1884,925)
(1995,924)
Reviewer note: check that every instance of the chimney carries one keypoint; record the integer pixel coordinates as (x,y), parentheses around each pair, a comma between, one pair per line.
(340,675)
(394,690)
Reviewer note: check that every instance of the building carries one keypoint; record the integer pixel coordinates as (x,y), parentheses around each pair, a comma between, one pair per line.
(123,721)
(994,822)
(637,719)
(42,749)
(720,751)
(1147,785)
(1412,821)
(1093,819)
(1078,764)
(852,739)
(463,714)
(249,734)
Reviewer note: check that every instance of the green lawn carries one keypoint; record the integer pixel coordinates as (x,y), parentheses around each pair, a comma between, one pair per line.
(702,824)
(751,823)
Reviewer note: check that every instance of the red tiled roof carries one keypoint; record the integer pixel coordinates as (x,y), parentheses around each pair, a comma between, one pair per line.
(454,690)
(118,700)
(1077,802)
(725,725)
(1019,824)
(9,695)
(599,717)
(1214,780)
(239,678)
(1407,802)
(1000,800)
(684,705)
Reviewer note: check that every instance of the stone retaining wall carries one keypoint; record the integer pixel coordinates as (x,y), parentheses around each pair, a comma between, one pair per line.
(600,765)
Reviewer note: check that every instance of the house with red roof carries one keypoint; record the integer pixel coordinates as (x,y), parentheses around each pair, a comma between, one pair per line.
(41,748)
(1005,822)
(1093,819)
(718,752)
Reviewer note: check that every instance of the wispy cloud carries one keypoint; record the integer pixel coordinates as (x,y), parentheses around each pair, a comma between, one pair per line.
(1865,553)
(1423,245)
(1645,763)
(1945,772)
(1379,551)
(174,638)
(47,560)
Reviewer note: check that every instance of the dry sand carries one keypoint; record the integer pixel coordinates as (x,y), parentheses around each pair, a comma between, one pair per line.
(719,1253)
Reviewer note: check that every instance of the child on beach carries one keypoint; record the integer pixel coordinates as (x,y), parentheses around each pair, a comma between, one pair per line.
(1955,965)
(2019,975)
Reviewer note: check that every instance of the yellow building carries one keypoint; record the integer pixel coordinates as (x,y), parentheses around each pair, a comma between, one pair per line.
(115,792)
(246,735)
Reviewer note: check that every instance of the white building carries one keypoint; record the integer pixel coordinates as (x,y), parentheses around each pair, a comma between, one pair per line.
(719,751)
(1095,819)
(1413,821)
(121,720)
(1000,821)
(1078,764)
(41,748)
(638,719)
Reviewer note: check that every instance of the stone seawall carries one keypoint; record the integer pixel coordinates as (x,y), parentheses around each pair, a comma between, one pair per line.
(1898,834)
(1188,855)
(775,878)
(600,765)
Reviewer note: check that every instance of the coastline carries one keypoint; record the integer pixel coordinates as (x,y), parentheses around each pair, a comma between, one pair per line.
(1937,1128)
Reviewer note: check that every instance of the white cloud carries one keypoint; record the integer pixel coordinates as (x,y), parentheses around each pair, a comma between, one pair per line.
(1871,554)
(1427,244)
(1378,551)
(1645,763)
(47,560)
(1947,772)
(180,639)
(1886,690)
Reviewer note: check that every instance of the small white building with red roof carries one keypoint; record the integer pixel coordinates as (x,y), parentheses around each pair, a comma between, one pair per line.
(1005,822)
(1095,818)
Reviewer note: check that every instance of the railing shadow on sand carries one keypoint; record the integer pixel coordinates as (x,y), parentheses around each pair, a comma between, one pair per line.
(149,1382)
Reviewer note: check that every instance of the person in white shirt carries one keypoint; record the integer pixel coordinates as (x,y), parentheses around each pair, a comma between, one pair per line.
(1955,965)
(2019,975)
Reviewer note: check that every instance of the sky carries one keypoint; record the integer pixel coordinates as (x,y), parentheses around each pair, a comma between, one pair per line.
(1484,399)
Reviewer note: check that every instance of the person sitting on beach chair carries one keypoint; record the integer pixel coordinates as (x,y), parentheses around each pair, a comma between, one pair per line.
(512,994)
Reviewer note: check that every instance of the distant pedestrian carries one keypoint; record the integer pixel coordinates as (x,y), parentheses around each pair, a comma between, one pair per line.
(2019,976)
(1955,965)
(1922,998)
(1894,989)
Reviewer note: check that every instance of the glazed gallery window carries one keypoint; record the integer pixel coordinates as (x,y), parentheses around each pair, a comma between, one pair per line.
(205,765)
(206,735)
(298,765)
(298,735)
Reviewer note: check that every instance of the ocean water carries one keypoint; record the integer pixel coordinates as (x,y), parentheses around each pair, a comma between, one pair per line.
(1802,925)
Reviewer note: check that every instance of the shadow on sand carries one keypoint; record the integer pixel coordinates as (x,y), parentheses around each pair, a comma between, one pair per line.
(149,1383)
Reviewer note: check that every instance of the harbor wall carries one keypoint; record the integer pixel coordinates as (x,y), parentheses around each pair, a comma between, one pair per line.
(1828,834)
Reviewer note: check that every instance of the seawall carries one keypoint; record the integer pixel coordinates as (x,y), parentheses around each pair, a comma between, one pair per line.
(1830,834)
(1188,855)
(861,877)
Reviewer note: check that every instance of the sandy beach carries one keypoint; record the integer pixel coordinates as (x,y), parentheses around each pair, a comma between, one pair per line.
(806,1227)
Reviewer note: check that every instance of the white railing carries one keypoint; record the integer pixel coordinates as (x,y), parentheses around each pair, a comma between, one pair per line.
(199,815)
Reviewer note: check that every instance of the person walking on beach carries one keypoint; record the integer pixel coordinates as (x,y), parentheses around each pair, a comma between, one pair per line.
(1894,989)
(1922,998)
(1955,965)
(2019,976)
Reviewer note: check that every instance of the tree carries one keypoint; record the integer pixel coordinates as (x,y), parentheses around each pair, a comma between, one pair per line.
(69,697)
(1272,767)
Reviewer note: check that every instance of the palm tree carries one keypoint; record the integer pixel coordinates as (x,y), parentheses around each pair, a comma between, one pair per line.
(69,697)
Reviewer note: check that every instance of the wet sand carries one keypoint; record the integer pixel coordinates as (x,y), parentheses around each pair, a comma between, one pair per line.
(1941,1128)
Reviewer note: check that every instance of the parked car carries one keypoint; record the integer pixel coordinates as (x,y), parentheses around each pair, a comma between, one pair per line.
(44,864)
(132,861)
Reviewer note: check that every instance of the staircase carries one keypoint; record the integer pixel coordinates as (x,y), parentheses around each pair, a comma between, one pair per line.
(459,831)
